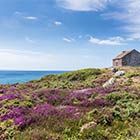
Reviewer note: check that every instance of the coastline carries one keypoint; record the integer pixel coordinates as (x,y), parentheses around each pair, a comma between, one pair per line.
(22,76)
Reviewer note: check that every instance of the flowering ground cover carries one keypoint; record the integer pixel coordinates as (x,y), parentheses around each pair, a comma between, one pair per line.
(72,106)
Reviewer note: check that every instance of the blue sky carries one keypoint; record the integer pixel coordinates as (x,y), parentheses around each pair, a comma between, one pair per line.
(66,34)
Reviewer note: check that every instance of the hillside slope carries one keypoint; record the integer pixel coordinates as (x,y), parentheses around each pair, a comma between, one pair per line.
(73,106)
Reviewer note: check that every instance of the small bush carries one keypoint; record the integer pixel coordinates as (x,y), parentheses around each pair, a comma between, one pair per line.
(132,74)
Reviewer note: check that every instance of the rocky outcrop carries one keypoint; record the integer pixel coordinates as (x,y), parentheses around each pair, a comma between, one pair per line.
(111,81)
(119,73)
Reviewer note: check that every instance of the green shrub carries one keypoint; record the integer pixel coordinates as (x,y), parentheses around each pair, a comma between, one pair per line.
(93,134)
(114,97)
(132,74)
(80,74)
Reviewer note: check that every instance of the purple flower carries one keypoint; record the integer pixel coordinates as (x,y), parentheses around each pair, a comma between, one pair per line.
(11,96)
(43,110)
(100,102)
(86,103)
(79,95)
(2,91)
(11,89)
(1,105)
(6,117)
(70,112)
(19,120)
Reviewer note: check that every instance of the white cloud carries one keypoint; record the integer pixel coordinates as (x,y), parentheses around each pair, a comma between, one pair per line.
(57,23)
(110,41)
(83,5)
(11,59)
(21,60)
(68,40)
(21,15)
(128,12)
(30,17)
(135,36)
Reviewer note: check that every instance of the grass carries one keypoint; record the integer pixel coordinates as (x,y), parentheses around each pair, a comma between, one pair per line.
(57,106)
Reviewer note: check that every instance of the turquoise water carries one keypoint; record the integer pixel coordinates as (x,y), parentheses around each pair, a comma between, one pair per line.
(11,77)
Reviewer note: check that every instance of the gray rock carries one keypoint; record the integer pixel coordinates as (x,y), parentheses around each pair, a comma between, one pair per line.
(119,73)
(113,69)
(88,126)
(110,82)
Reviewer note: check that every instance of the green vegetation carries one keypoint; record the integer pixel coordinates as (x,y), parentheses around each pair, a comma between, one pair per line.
(72,80)
(72,106)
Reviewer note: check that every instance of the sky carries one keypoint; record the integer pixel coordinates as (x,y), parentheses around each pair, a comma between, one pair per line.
(66,34)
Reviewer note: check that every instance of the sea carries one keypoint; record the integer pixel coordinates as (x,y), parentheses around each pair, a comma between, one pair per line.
(12,77)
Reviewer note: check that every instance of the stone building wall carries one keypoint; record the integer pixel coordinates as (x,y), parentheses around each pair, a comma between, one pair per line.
(132,59)
(117,62)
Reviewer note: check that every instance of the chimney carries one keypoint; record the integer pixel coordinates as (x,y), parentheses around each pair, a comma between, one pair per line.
(123,51)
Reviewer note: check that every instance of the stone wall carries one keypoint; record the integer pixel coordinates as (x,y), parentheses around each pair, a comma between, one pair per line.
(117,62)
(132,59)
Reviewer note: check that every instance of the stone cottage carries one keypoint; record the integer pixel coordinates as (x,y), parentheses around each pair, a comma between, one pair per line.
(127,58)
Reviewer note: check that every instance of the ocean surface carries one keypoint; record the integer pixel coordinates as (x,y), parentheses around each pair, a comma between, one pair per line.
(11,77)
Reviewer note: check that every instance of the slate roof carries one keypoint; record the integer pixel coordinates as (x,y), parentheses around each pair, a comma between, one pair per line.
(124,53)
